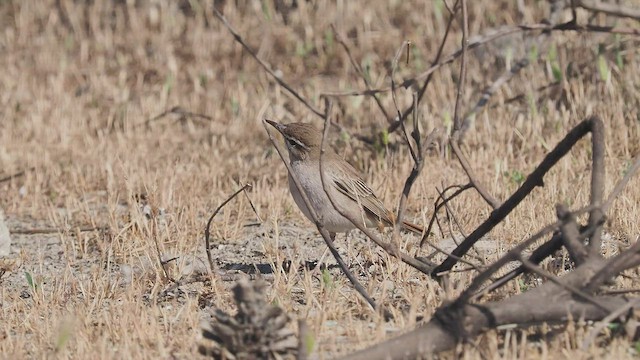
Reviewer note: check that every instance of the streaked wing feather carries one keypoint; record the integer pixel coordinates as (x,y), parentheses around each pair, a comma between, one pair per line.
(354,187)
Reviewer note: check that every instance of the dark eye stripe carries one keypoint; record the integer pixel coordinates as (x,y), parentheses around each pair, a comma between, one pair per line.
(295,142)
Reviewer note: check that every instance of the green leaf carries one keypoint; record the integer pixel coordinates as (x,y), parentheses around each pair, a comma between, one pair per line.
(265,10)
(556,71)
(63,336)
(309,342)
(385,137)
(328,39)
(603,68)
(32,284)
(326,278)
(235,107)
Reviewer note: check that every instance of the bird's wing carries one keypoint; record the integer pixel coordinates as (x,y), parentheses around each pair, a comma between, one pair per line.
(349,182)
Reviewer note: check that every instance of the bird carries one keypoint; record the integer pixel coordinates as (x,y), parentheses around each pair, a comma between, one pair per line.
(345,184)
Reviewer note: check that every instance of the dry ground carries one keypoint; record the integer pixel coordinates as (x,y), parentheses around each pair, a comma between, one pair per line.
(80,80)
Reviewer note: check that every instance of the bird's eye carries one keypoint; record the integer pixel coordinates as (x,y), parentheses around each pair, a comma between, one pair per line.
(292,143)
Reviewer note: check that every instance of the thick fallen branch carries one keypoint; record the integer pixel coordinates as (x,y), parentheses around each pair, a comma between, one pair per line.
(452,324)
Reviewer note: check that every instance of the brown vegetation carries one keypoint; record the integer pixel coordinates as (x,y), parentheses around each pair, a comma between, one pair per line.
(123,125)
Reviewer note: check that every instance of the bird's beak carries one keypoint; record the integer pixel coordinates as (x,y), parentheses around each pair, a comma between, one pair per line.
(278,127)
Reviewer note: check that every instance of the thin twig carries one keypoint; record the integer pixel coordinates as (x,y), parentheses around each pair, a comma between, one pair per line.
(360,71)
(175,110)
(457,121)
(534,180)
(16,175)
(607,320)
(489,91)
(38,231)
(303,338)
(207,241)
(437,205)
(454,139)
(609,8)
(630,173)
(504,31)
(570,288)
(253,207)
(154,235)
(266,66)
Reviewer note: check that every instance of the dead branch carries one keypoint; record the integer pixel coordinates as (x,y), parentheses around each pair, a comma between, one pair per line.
(207,233)
(176,110)
(365,78)
(457,122)
(502,32)
(597,186)
(16,175)
(39,231)
(266,66)
(489,91)
(525,309)
(607,320)
(437,205)
(533,180)
(571,235)
(454,139)
(609,8)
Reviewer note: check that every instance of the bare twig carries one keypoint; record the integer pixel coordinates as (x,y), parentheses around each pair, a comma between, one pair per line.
(607,320)
(609,8)
(177,110)
(154,235)
(266,66)
(454,139)
(423,88)
(38,231)
(571,235)
(437,205)
(303,338)
(504,31)
(207,233)
(533,180)
(253,207)
(365,78)
(597,185)
(457,121)
(470,174)
(630,173)
(16,175)
(574,13)
(489,91)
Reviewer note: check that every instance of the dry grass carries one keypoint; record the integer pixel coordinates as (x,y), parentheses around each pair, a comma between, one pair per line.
(77,88)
